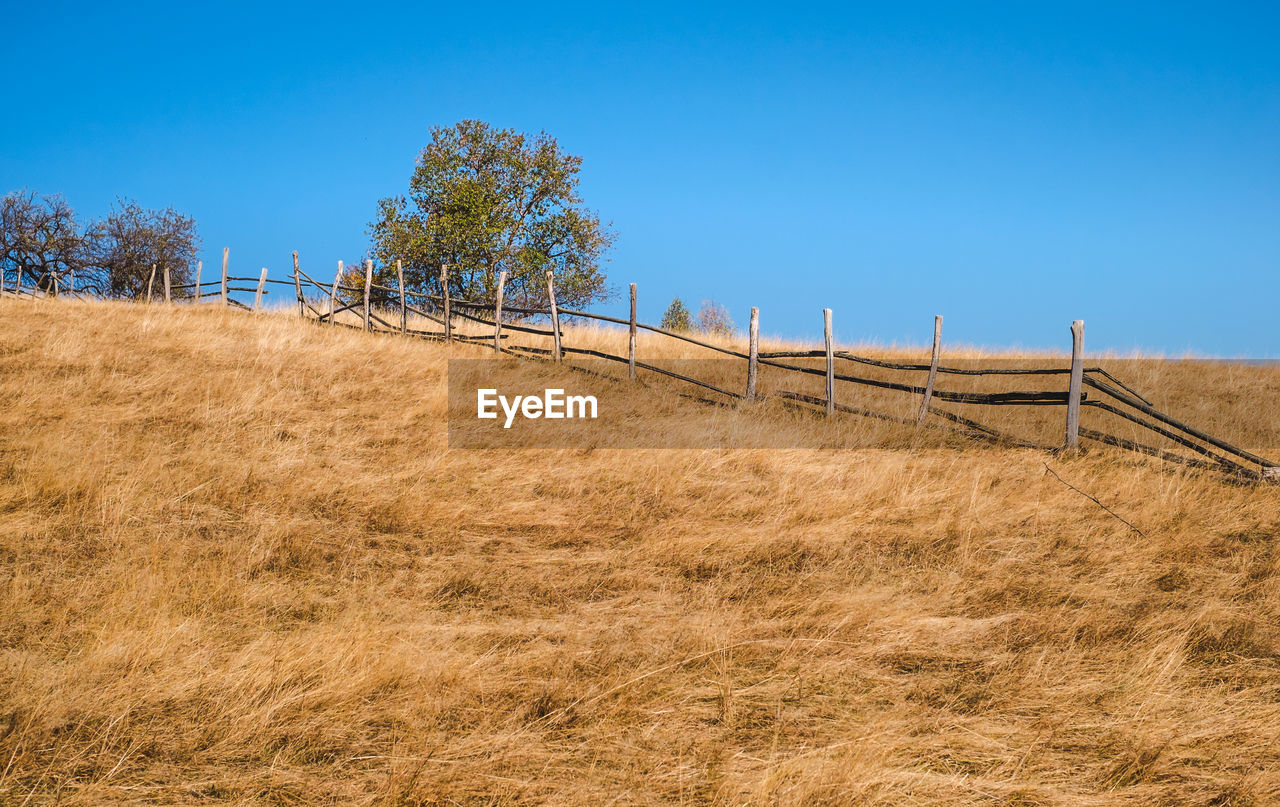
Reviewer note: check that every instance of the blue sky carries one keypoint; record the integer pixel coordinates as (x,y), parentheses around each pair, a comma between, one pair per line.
(1010,166)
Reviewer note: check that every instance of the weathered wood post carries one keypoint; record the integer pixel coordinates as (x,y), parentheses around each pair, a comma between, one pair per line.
(1077,381)
(199,266)
(933,369)
(368,283)
(444,293)
(753,352)
(497,313)
(631,337)
(404,312)
(1,282)
(168,298)
(555,314)
(151,281)
(71,280)
(831,362)
(297,286)
(226,251)
(262,282)
(333,295)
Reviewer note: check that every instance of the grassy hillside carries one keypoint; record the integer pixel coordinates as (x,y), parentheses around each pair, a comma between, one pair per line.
(238,564)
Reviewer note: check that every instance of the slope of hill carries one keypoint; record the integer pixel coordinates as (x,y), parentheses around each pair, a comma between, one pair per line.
(239,564)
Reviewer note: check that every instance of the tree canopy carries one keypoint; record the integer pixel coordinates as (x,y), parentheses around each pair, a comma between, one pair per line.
(677,317)
(713,318)
(484,200)
(132,239)
(42,245)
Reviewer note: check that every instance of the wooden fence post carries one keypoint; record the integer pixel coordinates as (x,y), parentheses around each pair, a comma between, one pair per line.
(1073,390)
(168,298)
(497,313)
(444,293)
(333,295)
(199,266)
(753,352)
(262,281)
(368,283)
(151,281)
(831,362)
(933,369)
(631,337)
(297,285)
(71,280)
(226,251)
(404,312)
(1,281)
(555,314)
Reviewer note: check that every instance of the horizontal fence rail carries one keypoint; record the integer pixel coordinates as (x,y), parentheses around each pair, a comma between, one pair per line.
(329,300)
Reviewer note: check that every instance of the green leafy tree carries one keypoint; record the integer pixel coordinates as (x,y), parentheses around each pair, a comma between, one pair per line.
(484,200)
(677,317)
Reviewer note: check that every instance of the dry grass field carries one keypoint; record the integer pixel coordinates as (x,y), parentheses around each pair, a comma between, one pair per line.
(239,564)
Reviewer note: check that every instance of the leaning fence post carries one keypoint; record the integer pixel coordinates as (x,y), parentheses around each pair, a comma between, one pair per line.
(831,362)
(444,292)
(151,281)
(555,314)
(753,352)
(226,251)
(497,314)
(199,266)
(71,280)
(631,337)
(404,314)
(933,369)
(297,285)
(333,295)
(368,283)
(1077,379)
(168,298)
(262,281)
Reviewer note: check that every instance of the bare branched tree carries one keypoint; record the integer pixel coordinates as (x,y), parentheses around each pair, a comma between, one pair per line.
(714,318)
(132,239)
(40,245)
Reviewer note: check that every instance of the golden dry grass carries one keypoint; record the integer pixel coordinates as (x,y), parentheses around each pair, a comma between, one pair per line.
(239,565)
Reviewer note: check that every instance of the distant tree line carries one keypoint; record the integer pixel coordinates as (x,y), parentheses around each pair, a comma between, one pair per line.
(43,246)
(713,318)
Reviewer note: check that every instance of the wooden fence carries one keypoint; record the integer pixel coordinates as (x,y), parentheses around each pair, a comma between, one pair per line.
(1113,396)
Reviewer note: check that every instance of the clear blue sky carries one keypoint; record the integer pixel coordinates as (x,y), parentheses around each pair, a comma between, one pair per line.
(1010,166)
